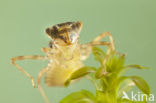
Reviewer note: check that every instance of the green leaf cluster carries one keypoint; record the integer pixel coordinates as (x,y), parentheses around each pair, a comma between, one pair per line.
(110,84)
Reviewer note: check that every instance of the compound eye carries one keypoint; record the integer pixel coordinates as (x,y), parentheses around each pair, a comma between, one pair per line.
(73,37)
(48,31)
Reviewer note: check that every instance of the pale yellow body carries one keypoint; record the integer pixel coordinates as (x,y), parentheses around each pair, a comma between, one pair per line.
(63,62)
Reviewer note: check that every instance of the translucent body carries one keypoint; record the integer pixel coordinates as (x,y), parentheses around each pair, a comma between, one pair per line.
(65,61)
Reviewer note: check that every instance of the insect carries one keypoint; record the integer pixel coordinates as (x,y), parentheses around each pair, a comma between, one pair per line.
(65,54)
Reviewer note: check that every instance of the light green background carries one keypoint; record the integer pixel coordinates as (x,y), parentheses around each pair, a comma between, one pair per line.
(22,25)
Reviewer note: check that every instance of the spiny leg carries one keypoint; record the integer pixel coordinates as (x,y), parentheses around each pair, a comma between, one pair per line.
(35,57)
(110,46)
(41,73)
(46,50)
(98,38)
(85,49)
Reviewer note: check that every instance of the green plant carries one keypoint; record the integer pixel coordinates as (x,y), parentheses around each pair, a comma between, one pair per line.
(109,85)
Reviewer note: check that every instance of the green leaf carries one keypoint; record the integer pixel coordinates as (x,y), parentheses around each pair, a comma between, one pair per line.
(105,97)
(102,97)
(104,84)
(82,96)
(115,63)
(99,54)
(99,73)
(80,73)
(135,66)
(141,84)
(124,84)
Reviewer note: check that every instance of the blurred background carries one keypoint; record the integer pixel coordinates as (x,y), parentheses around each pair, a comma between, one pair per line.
(22,24)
